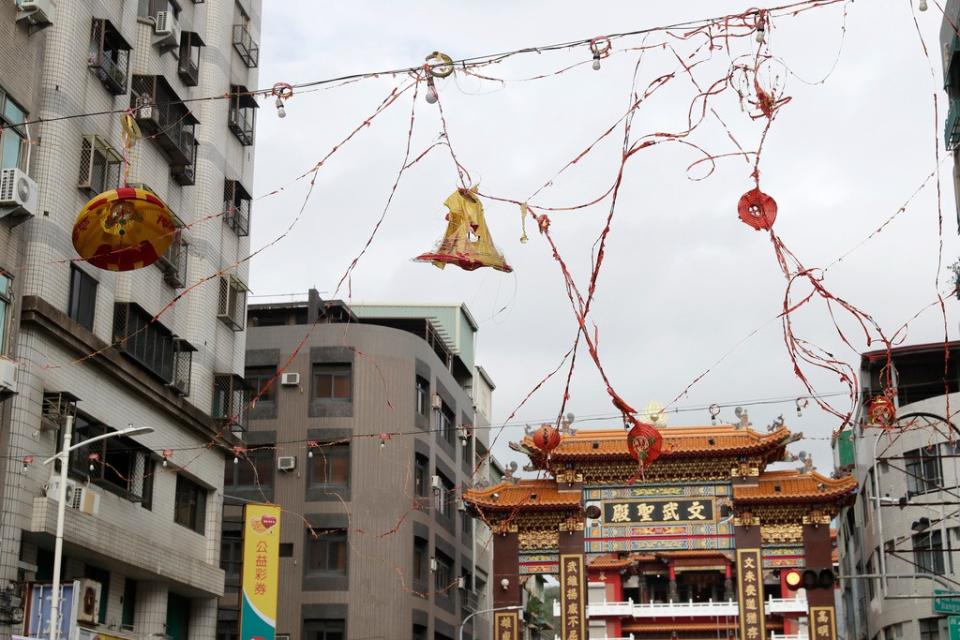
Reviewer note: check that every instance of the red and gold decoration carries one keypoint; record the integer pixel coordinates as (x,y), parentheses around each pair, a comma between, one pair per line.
(466,242)
(882,412)
(823,623)
(506,625)
(750,594)
(546,438)
(123,229)
(757,209)
(572,597)
(644,442)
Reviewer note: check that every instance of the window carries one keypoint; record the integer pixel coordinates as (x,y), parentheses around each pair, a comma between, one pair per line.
(467,597)
(243,114)
(109,56)
(230,399)
(150,8)
(190,505)
(286,550)
(443,577)
(420,569)
(231,558)
(466,526)
(254,470)
(83,297)
(6,289)
(930,629)
(333,382)
(446,426)
(329,468)
(893,632)
(928,552)
(144,339)
(246,46)
(324,630)
(419,632)
(236,207)
(118,464)
(13,135)
(444,498)
(466,451)
(421,482)
(129,611)
(422,397)
(327,552)
(924,470)
(233,303)
(871,586)
(173,262)
(100,166)
(189,65)
(178,616)
(258,378)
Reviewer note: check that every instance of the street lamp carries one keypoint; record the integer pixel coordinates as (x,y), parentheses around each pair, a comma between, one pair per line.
(513,607)
(64,457)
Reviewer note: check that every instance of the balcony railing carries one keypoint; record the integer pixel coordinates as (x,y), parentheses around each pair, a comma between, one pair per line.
(112,73)
(162,116)
(241,124)
(684,609)
(244,44)
(951,134)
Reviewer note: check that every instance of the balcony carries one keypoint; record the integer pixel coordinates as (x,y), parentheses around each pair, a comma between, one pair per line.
(710,609)
(109,56)
(185,174)
(244,45)
(163,117)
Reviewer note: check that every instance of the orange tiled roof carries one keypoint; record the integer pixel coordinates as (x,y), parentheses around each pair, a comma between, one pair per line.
(686,442)
(610,562)
(529,494)
(811,486)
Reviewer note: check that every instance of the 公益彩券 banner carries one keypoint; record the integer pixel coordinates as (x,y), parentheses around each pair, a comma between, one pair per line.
(261,575)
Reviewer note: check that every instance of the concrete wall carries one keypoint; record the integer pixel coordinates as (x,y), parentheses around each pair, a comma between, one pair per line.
(379,508)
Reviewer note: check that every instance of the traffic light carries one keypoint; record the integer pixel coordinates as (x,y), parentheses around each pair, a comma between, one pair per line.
(810,579)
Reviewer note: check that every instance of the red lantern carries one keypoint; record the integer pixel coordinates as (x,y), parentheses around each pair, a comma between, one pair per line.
(882,411)
(644,442)
(547,438)
(757,209)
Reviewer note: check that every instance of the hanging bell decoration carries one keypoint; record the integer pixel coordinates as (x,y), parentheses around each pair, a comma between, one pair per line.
(123,229)
(757,209)
(644,442)
(546,438)
(467,242)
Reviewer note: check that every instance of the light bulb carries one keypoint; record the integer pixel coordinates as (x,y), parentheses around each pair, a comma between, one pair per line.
(164,462)
(310,453)
(91,466)
(383,443)
(236,460)
(596,63)
(281,112)
(923,5)
(431,96)
(760,35)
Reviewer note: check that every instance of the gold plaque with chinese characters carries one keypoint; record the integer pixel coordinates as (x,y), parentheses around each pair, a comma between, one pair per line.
(823,623)
(506,625)
(750,600)
(573,604)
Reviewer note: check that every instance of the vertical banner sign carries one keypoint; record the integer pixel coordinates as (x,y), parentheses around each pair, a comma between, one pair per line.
(572,604)
(750,583)
(506,626)
(823,623)
(261,559)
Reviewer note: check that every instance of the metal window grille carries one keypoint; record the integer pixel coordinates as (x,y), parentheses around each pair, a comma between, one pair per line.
(232,303)
(100,165)
(230,395)
(182,366)
(242,115)
(173,262)
(236,206)
(145,340)
(109,56)
(245,46)
(164,118)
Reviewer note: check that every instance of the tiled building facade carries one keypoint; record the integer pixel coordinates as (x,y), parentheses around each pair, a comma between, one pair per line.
(148,528)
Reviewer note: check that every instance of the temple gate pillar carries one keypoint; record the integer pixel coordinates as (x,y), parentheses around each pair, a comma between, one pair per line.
(818,550)
(506,585)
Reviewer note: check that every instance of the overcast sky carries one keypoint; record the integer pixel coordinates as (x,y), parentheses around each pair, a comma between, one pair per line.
(684,280)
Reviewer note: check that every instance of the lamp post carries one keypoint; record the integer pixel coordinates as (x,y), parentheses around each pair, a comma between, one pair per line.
(513,607)
(64,457)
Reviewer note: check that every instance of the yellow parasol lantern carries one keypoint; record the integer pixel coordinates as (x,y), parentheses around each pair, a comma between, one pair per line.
(123,229)
(467,242)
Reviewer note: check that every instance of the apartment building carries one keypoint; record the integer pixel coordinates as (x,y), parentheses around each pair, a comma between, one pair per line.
(903,530)
(367,439)
(143,524)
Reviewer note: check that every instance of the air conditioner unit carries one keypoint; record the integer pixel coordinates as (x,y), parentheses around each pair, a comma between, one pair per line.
(79,497)
(18,195)
(8,377)
(290,379)
(38,13)
(435,483)
(167,29)
(435,401)
(286,463)
(89,601)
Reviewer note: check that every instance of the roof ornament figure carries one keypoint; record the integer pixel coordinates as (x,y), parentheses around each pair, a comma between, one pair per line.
(744,418)
(566,425)
(807,460)
(508,472)
(776,424)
